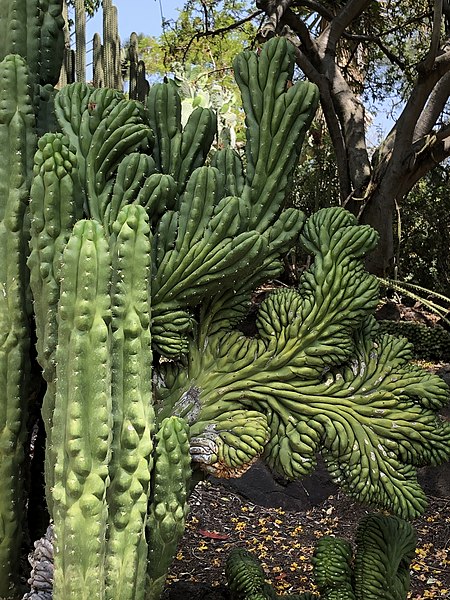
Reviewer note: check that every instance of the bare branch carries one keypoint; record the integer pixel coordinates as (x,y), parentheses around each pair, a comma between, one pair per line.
(316,7)
(275,10)
(434,107)
(376,40)
(427,153)
(299,27)
(342,20)
(435,35)
(405,126)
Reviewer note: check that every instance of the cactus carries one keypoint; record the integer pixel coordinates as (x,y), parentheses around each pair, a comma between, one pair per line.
(429,342)
(31,38)
(17,122)
(385,546)
(147,251)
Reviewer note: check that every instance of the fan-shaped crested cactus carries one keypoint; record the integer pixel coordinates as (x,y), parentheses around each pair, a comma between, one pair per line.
(379,569)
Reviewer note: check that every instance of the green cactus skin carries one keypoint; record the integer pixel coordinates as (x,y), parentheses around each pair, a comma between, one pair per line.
(103,128)
(246,577)
(179,152)
(56,204)
(131,461)
(385,548)
(277,118)
(168,506)
(332,563)
(98,75)
(82,421)
(34,30)
(229,163)
(17,142)
(132,175)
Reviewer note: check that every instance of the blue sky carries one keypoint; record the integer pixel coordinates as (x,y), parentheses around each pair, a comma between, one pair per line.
(141,16)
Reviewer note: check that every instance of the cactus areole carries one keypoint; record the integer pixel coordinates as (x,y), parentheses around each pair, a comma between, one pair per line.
(145,245)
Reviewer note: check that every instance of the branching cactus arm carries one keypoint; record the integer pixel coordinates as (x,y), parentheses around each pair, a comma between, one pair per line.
(178,152)
(103,128)
(56,204)
(131,460)
(17,141)
(278,115)
(82,421)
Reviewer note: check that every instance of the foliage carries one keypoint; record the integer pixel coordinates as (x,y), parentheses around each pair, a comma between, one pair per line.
(424,226)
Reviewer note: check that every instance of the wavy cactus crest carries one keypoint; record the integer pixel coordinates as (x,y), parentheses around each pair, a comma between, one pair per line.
(321,378)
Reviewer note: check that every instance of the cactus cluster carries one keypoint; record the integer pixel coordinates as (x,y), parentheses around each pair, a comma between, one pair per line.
(142,249)
(379,567)
(428,342)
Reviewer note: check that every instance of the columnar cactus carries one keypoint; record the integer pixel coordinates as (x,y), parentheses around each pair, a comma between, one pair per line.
(379,568)
(30,45)
(17,131)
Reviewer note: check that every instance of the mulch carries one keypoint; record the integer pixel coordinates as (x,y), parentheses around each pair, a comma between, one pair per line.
(284,542)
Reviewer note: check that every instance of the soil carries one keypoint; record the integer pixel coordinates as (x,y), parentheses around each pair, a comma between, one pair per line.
(280,523)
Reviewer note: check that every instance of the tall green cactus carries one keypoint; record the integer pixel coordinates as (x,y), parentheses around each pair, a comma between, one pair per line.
(18,139)
(30,43)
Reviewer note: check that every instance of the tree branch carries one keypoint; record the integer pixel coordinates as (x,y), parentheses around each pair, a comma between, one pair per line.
(376,40)
(433,108)
(427,153)
(341,21)
(220,31)
(428,62)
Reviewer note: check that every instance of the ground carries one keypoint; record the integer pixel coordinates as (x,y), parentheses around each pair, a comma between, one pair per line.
(221,519)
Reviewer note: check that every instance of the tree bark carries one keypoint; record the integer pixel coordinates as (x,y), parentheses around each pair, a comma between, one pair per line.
(418,141)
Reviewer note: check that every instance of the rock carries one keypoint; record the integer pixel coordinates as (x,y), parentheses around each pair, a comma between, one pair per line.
(264,489)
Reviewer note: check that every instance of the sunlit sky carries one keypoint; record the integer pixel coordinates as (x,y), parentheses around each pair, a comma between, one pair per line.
(145,16)
(141,16)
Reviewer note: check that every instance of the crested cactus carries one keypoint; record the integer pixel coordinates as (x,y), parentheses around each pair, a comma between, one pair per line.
(378,569)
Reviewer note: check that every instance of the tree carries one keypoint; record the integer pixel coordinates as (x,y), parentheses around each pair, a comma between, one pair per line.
(405,45)
(358,51)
